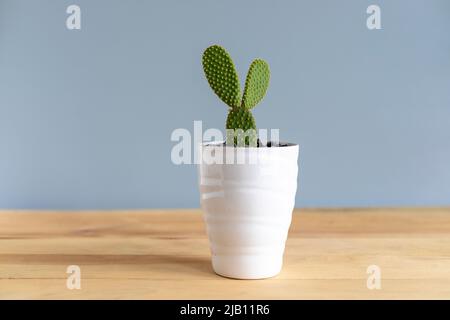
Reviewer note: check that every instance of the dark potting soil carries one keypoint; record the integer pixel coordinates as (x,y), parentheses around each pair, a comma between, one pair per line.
(269,144)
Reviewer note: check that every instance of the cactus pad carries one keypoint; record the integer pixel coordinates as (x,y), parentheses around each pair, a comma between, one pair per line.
(221,74)
(241,118)
(256,83)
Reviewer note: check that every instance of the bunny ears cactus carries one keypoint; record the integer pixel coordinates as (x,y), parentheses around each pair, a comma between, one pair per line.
(223,79)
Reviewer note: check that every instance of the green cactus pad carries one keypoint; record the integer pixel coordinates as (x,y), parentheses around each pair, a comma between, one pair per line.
(256,83)
(221,74)
(241,118)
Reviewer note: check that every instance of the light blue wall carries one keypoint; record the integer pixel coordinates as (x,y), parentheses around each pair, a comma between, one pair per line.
(86,116)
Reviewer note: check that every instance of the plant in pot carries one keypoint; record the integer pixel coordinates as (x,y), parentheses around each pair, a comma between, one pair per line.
(247,203)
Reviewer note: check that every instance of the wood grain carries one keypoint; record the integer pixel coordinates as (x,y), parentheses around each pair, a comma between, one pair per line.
(164,254)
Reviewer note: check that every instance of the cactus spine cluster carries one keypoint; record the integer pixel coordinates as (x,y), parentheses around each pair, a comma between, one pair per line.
(223,79)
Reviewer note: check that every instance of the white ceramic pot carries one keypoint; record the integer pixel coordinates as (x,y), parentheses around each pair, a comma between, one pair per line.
(248,208)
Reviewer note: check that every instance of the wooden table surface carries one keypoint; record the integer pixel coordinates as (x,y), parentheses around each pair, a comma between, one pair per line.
(165,255)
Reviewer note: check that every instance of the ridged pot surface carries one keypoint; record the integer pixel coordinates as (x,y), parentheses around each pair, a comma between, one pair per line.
(248,208)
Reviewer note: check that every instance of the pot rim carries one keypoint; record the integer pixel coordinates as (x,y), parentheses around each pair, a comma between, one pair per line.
(288,145)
